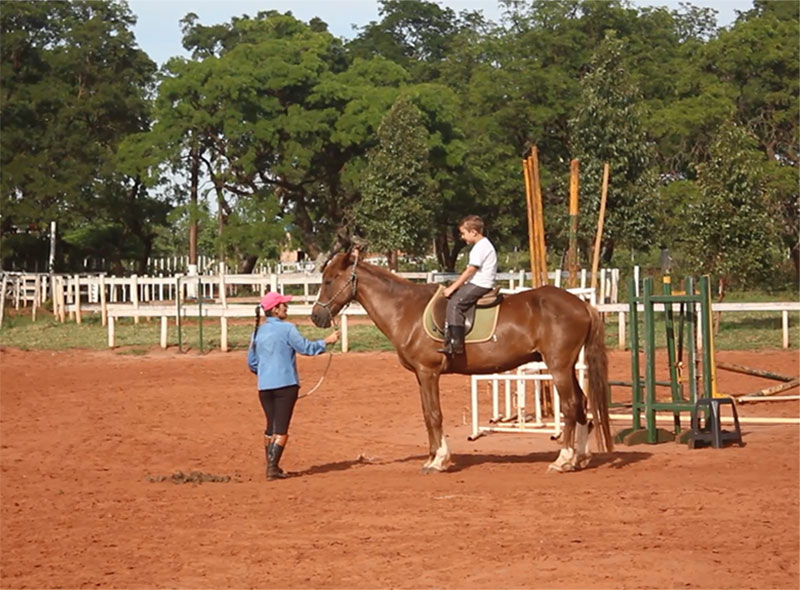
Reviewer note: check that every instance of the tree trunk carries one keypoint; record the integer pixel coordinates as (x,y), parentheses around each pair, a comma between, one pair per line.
(720,297)
(247,265)
(194,188)
(391,260)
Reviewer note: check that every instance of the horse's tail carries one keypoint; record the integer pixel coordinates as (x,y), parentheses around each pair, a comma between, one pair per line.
(597,359)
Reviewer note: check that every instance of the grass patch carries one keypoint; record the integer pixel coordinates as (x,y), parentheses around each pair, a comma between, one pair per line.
(738,331)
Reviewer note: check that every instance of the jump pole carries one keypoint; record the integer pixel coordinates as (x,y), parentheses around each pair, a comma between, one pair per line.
(600,218)
(539,216)
(574,167)
(527,172)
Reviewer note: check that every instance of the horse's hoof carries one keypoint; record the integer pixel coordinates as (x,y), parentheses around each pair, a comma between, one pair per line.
(428,470)
(553,468)
(583,461)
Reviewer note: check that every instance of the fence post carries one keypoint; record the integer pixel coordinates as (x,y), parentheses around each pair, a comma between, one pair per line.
(785,326)
(3,297)
(111,331)
(103,302)
(135,295)
(345,341)
(163,331)
(78,298)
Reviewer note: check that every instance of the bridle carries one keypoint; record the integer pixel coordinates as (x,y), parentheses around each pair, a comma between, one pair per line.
(352,282)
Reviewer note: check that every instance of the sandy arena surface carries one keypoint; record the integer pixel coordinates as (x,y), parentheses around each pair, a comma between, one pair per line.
(90,442)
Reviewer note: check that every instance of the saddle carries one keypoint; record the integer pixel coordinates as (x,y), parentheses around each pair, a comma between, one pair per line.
(480,319)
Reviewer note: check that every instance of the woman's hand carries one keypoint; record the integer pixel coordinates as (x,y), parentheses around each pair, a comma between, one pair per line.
(332,338)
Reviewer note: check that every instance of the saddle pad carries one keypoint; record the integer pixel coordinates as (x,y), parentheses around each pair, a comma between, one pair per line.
(483,325)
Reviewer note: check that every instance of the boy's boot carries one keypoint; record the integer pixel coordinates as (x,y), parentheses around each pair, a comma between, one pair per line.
(274,452)
(448,344)
(457,339)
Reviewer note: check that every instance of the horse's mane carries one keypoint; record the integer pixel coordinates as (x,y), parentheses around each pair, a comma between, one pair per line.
(395,280)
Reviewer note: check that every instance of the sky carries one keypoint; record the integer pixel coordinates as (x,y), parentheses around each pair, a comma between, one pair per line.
(159,35)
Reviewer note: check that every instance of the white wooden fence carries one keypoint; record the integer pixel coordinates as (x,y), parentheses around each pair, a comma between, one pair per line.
(233,295)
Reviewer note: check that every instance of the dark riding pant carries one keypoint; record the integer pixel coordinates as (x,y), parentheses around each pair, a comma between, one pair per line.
(460,302)
(278,405)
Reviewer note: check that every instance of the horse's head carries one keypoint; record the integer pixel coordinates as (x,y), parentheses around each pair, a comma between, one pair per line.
(338,288)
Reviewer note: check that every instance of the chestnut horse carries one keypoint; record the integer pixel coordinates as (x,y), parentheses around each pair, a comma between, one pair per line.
(547,321)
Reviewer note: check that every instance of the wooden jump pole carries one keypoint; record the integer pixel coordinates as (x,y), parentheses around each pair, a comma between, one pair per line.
(527,172)
(539,217)
(572,255)
(600,218)
(734,368)
(767,391)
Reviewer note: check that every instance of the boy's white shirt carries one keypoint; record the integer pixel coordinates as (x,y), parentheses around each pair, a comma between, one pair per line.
(484,258)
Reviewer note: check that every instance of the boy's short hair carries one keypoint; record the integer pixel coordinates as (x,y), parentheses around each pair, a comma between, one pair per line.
(472,222)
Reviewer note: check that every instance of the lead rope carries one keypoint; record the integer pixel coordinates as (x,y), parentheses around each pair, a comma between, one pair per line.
(324,371)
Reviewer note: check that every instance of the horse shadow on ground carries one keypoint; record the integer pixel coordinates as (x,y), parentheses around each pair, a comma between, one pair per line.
(355,463)
(615,460)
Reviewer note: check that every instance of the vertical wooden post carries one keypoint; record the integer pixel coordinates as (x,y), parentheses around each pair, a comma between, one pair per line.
(600,218)
(344,340)
(164,325)
(223,333)
(111,331)
(539,217)
(535,271)
(3,297)
(785,328)
(62,304)
(135,295)
(36,294)
(572,258)
(103,302)
(78,299)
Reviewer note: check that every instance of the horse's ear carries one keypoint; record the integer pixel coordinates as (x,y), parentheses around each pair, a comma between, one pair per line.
(341,244)
(359,246)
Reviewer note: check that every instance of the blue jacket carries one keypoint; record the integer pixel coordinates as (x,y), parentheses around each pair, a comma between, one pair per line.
(273,358)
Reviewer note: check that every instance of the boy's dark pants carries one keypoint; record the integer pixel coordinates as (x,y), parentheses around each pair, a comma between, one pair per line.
(457,306)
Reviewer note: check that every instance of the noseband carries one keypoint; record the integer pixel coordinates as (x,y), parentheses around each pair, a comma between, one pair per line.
(351,282)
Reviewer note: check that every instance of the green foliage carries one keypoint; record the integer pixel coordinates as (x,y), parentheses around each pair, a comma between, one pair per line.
(267,128)
(74,86)
(607,128)
(732,227)
(396,207)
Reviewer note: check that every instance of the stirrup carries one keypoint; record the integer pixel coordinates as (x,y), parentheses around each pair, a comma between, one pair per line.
(446,349)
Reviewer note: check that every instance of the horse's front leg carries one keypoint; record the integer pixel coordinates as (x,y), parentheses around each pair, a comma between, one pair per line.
(439,454)
(575,453)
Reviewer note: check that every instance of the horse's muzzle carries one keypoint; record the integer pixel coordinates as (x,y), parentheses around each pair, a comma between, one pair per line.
(320,316)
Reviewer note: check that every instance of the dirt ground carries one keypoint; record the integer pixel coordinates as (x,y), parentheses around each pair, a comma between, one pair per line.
(90,442)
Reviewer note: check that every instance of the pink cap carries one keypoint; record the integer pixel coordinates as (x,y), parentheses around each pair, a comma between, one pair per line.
(273,299)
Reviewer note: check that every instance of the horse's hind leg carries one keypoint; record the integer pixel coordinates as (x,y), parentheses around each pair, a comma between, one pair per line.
(575,452)
(439,454)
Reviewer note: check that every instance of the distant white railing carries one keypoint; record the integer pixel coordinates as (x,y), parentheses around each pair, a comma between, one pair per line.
(233,295)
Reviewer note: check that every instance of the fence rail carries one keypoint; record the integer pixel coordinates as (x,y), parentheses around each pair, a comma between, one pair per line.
(233,296)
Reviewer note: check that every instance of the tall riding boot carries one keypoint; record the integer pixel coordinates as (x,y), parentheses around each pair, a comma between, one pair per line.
(274,452)
(267,446)
(457,339)
(448,344)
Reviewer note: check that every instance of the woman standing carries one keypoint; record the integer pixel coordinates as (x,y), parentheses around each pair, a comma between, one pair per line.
(272,356)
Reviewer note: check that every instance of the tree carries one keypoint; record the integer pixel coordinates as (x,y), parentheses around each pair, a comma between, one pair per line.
(607,127)
(395,211)
(733,229)
(74,86)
